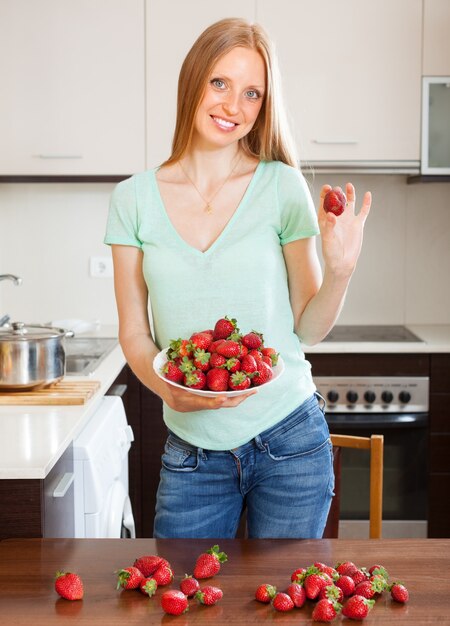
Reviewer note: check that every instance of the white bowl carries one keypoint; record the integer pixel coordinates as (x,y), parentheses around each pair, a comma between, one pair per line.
(161,359)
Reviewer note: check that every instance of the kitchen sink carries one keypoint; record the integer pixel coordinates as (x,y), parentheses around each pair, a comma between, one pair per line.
(84,354)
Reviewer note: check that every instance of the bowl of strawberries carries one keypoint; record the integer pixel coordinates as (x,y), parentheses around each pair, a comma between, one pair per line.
(219,361)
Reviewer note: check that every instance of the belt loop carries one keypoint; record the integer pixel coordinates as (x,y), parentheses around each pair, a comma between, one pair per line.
(259,444)
(321,401)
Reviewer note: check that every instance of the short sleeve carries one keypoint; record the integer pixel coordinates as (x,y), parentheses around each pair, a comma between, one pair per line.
(122,224)
(298,217)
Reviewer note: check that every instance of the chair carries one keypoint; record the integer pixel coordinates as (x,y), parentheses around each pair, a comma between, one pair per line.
(374,444)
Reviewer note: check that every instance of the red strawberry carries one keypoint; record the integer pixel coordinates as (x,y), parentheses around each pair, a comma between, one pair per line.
(357,607)
(267,360)
(179,347)
(201,360)
(359,576)
(332,593)
(297,575)
(265,593)
(244,351)
(201,341)
(248,364)
(256,354)
(163,575)
(208,563)
(239,381)
(189,586)
(272,353)
(369,588)
(374,567)
(195,379)
(224,327)
(297,593)
(314,583)
(129,578)
(252,340)
(232,365)
(282,602)
(347,568)
(148,586)
(217,379)
(149,563)
(69,585)
(209,595)
(399,592)
(172,372)
(186,365)
(229,348)
(346,583)
(217,360)
(174,602)
(325,611)
(332,573)
(334,201)
(379,570)
(264,373)
(214,345)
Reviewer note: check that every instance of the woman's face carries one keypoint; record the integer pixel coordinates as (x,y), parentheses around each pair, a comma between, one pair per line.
(232,100)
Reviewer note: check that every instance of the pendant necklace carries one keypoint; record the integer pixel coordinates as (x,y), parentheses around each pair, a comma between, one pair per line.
(208,206)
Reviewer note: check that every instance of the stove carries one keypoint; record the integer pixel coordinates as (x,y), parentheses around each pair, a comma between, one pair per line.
(372,333)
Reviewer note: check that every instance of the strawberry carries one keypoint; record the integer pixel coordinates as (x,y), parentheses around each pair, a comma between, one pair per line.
(229,348)
(347,568)
(149,563)
(332,573)
(263,374)
(208,563)
(314,583)
(379,570)
(129,578)
(163,575)
(189,586)
(244,351)
(272,353)
(267,360)
(200,341)
(174,602)
(148,586)
(195,379)
(201,360)
(297,575)
(369,588)
(325,611)
(359,576)
(374,567)
(347,584)
(297,593)
(332,593)
(239,381)
(217,379)
(252,340)
(179,347)
(232,365)
(282,602)
(265,593)
(172,372)
(334,201)
(217,360)
(357,607)
(186,365)
(256,354)
(248,364)
(399,592)
(214,345)
(209,595)
(224,327)
(69,585)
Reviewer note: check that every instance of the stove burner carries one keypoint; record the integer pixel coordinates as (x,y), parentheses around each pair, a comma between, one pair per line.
(382,333)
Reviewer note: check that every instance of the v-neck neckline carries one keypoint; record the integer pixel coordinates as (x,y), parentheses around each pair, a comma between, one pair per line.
(228,225)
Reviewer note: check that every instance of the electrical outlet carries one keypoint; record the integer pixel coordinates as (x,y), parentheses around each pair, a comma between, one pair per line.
(101,266)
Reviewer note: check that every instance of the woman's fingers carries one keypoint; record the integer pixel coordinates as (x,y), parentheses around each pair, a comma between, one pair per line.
(365,209)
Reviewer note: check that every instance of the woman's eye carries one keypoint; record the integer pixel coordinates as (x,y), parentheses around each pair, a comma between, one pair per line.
(253,94)
(217,82)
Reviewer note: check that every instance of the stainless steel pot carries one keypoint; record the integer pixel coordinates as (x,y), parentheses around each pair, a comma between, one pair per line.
(31,356)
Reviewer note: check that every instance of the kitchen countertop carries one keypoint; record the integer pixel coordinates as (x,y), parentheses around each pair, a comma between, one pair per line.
(28,566)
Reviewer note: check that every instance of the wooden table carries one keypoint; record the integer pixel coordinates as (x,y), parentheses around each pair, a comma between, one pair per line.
(27,568)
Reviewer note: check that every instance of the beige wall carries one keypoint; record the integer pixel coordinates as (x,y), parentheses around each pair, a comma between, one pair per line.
(49,231)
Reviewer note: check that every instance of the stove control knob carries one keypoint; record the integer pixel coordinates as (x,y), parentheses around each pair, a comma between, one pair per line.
(404,397)
(387,397)
(369,397)
(352,397)
(332,396)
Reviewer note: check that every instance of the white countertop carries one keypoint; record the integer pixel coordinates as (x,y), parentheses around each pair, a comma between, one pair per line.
(33,438)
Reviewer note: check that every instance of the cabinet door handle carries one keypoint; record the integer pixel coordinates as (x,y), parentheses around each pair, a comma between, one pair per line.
(59,156)
(337,142)
(63,485)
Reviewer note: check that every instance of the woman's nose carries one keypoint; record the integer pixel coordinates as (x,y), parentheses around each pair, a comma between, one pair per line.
(231,104)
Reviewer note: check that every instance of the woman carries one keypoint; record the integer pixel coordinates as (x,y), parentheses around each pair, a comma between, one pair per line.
(226,226)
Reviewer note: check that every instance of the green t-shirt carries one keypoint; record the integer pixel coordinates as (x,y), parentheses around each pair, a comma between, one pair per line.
(242,275)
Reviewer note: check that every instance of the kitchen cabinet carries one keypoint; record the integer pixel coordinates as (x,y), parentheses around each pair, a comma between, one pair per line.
(171,29)
(351,73)
(436,42)
(73,91)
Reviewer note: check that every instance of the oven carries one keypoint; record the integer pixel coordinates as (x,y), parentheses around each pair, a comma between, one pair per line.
(397,408)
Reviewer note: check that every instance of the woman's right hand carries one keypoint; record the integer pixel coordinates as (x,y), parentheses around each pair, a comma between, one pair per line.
(185,401)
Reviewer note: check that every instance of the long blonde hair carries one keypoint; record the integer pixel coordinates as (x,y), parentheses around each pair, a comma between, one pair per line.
(269,139)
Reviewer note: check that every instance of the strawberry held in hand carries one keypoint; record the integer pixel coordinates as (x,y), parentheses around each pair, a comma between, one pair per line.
(208,563)
(69,585)
(334,201)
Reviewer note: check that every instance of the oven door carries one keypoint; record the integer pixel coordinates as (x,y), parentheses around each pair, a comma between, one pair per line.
(404,475)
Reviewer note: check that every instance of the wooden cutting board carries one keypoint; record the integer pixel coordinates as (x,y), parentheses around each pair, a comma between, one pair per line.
(63,392)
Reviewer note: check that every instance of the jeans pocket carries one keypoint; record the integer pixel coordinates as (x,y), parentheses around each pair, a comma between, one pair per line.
(290,454)
(178,458)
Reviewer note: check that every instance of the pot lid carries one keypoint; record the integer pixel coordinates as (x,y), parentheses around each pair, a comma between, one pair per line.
(19,330)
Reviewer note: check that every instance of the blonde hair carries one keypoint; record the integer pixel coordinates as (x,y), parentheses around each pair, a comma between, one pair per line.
(269,139)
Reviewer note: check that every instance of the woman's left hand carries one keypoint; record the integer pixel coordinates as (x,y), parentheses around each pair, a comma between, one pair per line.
(342,235)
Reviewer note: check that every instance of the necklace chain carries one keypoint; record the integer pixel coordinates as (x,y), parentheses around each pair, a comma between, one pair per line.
(208,206)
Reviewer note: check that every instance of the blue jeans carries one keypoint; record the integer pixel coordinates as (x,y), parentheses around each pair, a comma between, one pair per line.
(284,477)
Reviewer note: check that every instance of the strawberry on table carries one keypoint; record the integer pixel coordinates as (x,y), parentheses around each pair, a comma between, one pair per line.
(129,578)
(209,562)
(224,327)
(359,576)
(189,586)
(209,595)
(370,588)
(174,602)
(298,575)
(399,592)
(357,607)
(264,593)
(163,575)
(282,602)
(148,586)
(346,583)
(297,593)
(325,611)
(347,568)
(217,379)
(332,593)
(149,563)
(314,582)
(69,585)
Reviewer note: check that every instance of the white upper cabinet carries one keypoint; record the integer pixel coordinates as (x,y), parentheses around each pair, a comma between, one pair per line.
(172,28)
(436,38)
(351,73)
(73,87)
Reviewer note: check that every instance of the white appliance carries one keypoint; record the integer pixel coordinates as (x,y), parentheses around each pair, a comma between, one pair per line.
(102,503)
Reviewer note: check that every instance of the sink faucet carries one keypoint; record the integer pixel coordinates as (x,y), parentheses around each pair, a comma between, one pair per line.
(15,279)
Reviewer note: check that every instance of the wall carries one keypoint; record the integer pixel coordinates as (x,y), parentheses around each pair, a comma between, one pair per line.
(49,231)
